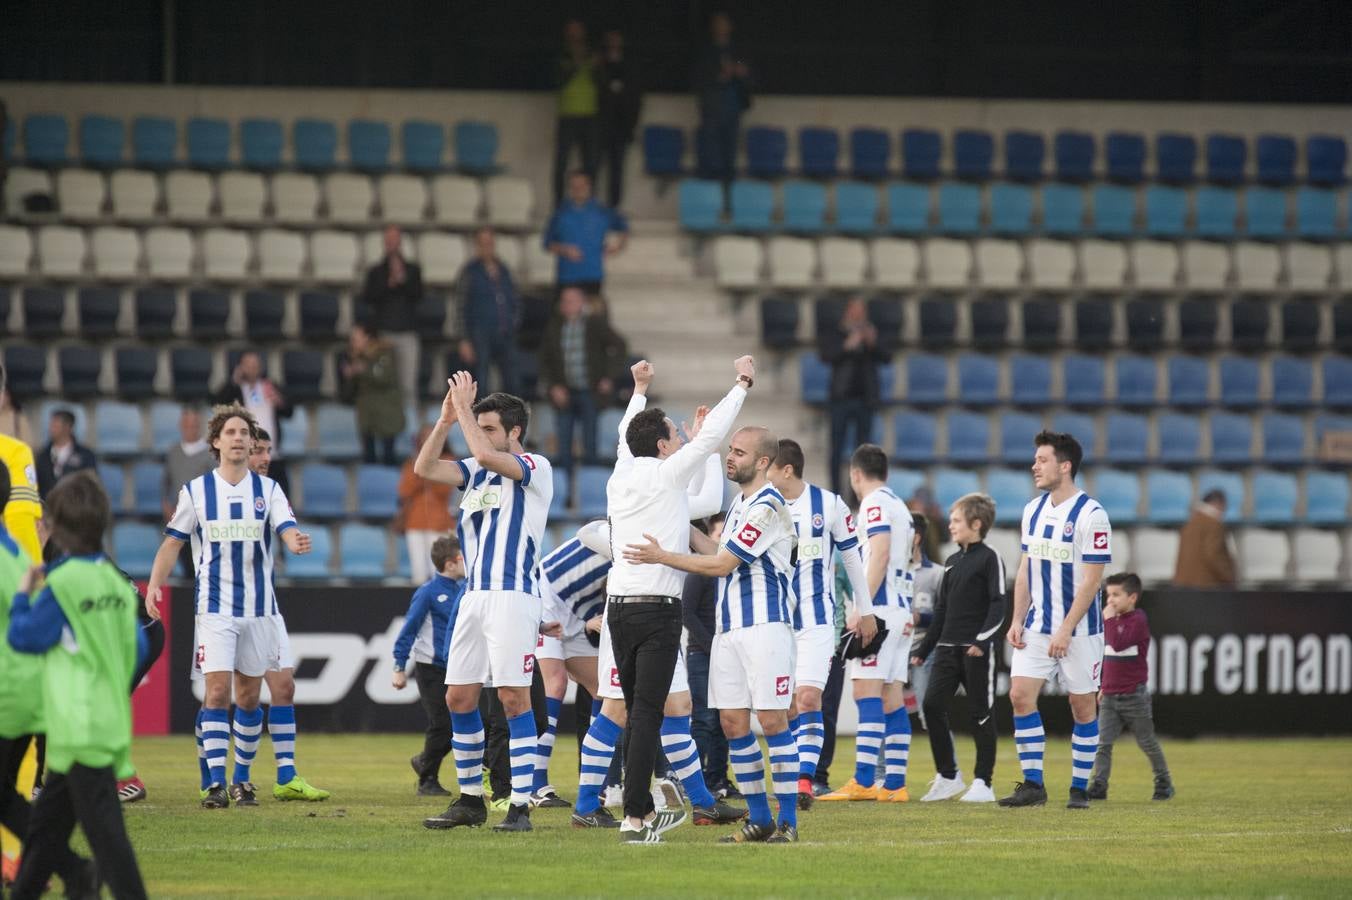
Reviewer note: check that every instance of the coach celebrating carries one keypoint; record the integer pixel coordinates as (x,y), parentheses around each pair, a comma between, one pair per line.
(647,495)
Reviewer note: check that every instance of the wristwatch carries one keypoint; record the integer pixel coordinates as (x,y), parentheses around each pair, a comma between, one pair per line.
(747,380)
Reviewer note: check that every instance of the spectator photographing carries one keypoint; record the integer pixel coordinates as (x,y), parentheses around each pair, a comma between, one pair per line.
(578,357)
(1204,559)
(392,292)
(852,351)
(578,235)
(370,384)
(489,306)
(722,89)
(63,453)
(424,512)
(577,104)
(621,100)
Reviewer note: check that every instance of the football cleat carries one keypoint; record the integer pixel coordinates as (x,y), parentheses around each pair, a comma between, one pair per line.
(599,819)
(900,795)
(298,789)
(852,790)
(548,798)
(466,811)
(215,798)
(787,834)
(1026,793)
(719,814)
(749,833)
(1079,799)
(518,819)
(1098,790)
(243,793)
(805,795)
(131,790)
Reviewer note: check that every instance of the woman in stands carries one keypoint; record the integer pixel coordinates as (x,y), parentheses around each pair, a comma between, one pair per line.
(371,382)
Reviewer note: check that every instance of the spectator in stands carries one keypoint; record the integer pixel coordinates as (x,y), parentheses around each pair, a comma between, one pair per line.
(851,349)
(392,292)
(578,358)
(424,512)
(63,453)
(1204,559)
(188,459)
(251,388)
(722,88)
(12,420)
(620,102)
(369,383)
(699,602)
(925,507)
(578,104)
(577,234)
(489,306)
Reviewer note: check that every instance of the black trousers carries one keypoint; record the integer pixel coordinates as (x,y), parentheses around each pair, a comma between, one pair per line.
(15,811)
(579,130)
(645,637)
(89,797)
(616,149)
(953,667)
(835,687)
(431,681)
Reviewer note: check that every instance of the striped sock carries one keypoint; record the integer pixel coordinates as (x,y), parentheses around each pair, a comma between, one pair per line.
(811,735)
(784,775)
(748,767)
(467,745)
(1031,741)
(897,750)
(683,758)
(598,749)
(1083,747)
(216,742)
(202,755)
(248,732)
(282,732)
(544,746)
(867,740)
(595,711)
(522,742)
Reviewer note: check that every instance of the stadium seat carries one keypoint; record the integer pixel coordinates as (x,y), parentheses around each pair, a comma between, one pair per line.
(922,148)
(1074,153)
(1308,267)
(973,152)
(804,206)
(1250,321)
(314,144)
(990,322)
(456,200)
(814,378)
(1276,157)
(1284,439)
(154,142)
(208,312)
(1051,264)
(1166,211)
(79,367)
(1062,210)
(818,151)
(134,195)
(117,429)
(1103,264)
(442,256)
(1017,431)
(316,564)
(1197,320)
(896,262)
(870,153)
(908,208)
(1093,324)
(1240,382)
(1180,439)
(1189,381)
(1154,265)
(1316,555)
(1265,213)
(164,417)
(402,198)
(1024,152)
(336,432)
(948,262)
(134,546)
(1083,380)
(885,312)
(295,198)
(377,492)
(302,373)
(915,436)
(1225,158)
(281,255)
(1316,214)
(1292,383)
(349,198)
(1342,326)
(753,205)
(44,308)
(905,482)
(361,551)
(856,207)
(61,251)
(951,484)
(25,369)
(793,261)
(191,371)
(1081,426)
(116,253)
(114,483)
(260,144)
(591,491)
(779,322)
(476,147)
(319,315)
(1030,380)
(999,263)
(1217,212)
(1010,489)
(938,323)
(423,143)
(1137,379)
(1126,438)
(510,201)
(926,379)
(843,262)
(333,256)
(1155,550)
(701,204)
(263,313)
(968,438)
(368,145)
(737,262)
(226,254)
(959,208)
(295,440)
(80,194)
(1175,158)
(1257,267)
(45,138)
(188,196)
(154,312)
(663,150)
(1337,373)
(1326,497)
(1231,438)
(99,308)
(978,380)
(16,251)
(1125,152)
(147,480)
(1325,159)
(208,143)
(1119,492)
(1264,556)
(1168,497)
(1011,209)
(766,151)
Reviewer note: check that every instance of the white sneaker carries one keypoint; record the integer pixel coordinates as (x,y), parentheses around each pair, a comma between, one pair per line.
(942,788)
(667,795)
(979,792)
(614,795)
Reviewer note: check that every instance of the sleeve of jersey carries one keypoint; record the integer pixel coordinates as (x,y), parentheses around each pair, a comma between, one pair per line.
(468,467)
(1023,530)
(280,515)
(184,519)
(875,521)
(842,530)
(403,644)
(595,536)
(755,535)
(537,475)
(1095,538)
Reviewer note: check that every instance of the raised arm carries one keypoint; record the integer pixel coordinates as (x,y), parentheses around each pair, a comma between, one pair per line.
(463,392)
(595,536)
(429,463)
(706,491)
(681,466)
(643,376)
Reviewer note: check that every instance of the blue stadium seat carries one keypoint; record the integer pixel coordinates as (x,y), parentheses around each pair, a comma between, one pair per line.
(1079,425)
(815,378)
(1168,497)
(1229,483)
(79,367)
(208,143)
(314,144)
(766,152)
(591,491)
(1011,209)
(476,147)
(260,144)
(319,315)
(208,312)
(818,151)
(1024,152)
(1175,158)
(1283,439)
(1017,431)
(968,437)
(147,485)
(134,547)
(972,154)
(1240,381)
(115,483)
(1011,489)
(1265,212)
(607,432)
(25,368)
(561,503)
(117,428)
(1083,380)
(263,313)
(135,368)
(1326,497)
(804,206)
(1197,321)
(336,432)
(1126,438)
(856,207)
(779,322)
(402,569)
(1189,381)
(926,379)
(1338,382)
(701,204)
(753,205)
(921,149)
(1276,156)
(323,491)
(1217,212)
(978,380)
(1041,323)
(1231,438)
(1300,325)
(424,145)
(368,145)
(1137,378)
(915,435)
(101,140)
(377,492)
(1074,153)
(908,208)
(990,322)
(1030,380)
(154,142)
(1062,209)
(302,371)
(870,152)
(45,138)
(1292,383)
(190,369)
(938,322)
(1166,211)
(1316,213)
(1180,439)
(959,208)
(99,308)
(1325,159)
(315,564)
(1225,157)
(1126,156)
(905,482)
(361,551)
(1114,211)
(155,310)
(663,149)
(1119,492)
(950,484)
(164,417)
(43,310)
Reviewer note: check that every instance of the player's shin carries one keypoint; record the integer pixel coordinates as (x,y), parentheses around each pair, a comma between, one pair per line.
(897,750)
(748,766)
(522,748)
(784,775)
(467,745)
(1031,741)
(1083,747)
(544,747)
(810,736)
(216,742)
(248,731)
(282,732)
(683,757)
(598,749)
(868,740)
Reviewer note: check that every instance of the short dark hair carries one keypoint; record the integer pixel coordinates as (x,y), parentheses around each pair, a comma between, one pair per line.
(705,526)
(66,416)
(80,513)
(871,460)
(445,549)
(1129,582)
(790,454)
(645,430)
(1066,448)
(510,409)
(1213,496)
(261,434)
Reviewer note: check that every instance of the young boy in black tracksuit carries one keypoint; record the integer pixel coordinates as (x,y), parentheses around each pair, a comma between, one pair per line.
(968,613)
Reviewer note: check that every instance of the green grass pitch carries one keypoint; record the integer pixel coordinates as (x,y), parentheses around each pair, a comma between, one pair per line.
(1252,818)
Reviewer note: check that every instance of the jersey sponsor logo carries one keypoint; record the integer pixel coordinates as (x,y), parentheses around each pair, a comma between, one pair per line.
(749,535)
(528,664)
(1052,551)
(540,641)
(1098,667)
(480,499)
(614,677)
(530,461)
(849,523)
(201,655)
(781,685)
(1100,540)
(811,548)
(873,514)
(259,505)
(869,662)
(230,531)
(817,520)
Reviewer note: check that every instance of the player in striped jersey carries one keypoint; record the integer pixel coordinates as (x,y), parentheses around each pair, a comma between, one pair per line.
(1057,624)
(880,678)
(506,499)
(230,516)
(824,525)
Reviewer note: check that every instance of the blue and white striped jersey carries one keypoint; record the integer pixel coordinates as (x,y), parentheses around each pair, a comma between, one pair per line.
(502,522)
(883,512)
(824,525)
(1058,541)
(759,532)
(231,527)
(576,576)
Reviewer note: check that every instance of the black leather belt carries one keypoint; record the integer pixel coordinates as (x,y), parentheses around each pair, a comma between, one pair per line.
(645,598)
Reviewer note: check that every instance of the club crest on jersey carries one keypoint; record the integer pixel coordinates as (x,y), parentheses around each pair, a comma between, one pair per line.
(781,686)
(875,514)
(528,665)
(749,535)
(259,505)
(1100,540)
(1069,529)
(817,520)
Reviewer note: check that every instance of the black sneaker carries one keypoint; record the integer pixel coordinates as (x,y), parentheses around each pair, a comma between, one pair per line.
(431,787)
(243,793)
(518,819)
(820,787)
(599,819)
(466,810)
(416,761)
(719,814)
(749,833)
(787,834)
(215,798)
(1026,793)
(1164,788)
(1098,790)
(1079,799)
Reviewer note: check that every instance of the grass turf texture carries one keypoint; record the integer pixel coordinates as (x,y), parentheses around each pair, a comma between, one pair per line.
(1252,817)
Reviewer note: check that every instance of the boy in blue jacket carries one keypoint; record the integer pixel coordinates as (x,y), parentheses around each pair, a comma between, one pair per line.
(427,636)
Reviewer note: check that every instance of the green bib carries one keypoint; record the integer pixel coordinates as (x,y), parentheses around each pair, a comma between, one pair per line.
(87,677)
(21,682)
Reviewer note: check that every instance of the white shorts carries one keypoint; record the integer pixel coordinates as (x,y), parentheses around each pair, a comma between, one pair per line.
(229,643)
(574,642)
(892,662)
(284,658)
(608,675)
(816,644)
(752,667)
(1080,668)
(494,638)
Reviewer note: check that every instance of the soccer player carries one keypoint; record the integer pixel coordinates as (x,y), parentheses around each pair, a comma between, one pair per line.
(1057,625)
(824,525)
(230,515)
(507,492)
(751,667)
(879,679)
